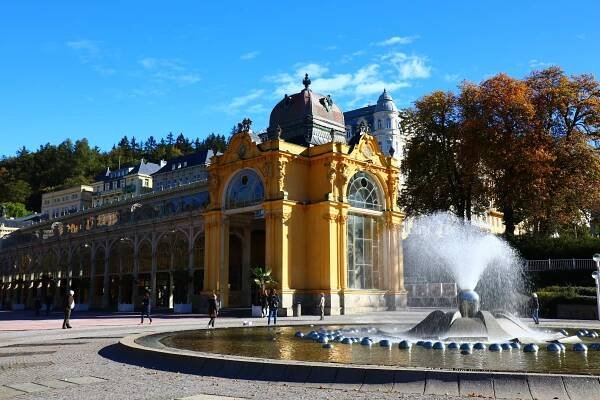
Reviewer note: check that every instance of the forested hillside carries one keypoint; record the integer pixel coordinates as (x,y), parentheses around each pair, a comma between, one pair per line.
(25,176)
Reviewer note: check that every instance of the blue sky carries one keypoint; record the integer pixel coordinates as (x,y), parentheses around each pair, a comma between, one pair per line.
(105,69)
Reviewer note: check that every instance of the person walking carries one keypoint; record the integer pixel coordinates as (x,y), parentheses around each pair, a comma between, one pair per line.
(213,309)
(535,308)
(264,303)
(69,306)
(273,307)
(146,307)
(322,306)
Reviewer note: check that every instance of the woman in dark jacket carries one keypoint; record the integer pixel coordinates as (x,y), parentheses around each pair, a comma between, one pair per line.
(264,303)
(273,307)
(213,309)
(146,307)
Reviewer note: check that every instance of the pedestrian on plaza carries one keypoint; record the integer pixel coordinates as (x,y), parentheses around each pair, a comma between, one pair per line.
(69,306)
(38,306)
(264,303)
(273,307)
(534,304)
(213,309)
(322,306)
(146,307)
(48,304)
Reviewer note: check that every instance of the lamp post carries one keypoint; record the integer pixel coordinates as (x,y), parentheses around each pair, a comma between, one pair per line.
(596,276)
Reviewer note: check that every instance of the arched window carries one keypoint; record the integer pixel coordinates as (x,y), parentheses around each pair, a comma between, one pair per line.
(364,233)
(245,190)
(378,124)
(363,192)
(388,123)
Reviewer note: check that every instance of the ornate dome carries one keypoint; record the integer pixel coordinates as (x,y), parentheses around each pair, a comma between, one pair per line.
(385,103)
(307,118)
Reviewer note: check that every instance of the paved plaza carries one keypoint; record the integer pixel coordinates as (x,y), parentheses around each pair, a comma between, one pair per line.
(38,360)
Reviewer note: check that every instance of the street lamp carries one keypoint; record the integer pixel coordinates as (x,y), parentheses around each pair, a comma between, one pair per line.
(596,275)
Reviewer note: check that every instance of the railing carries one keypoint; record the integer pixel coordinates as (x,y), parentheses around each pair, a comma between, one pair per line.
(564,264)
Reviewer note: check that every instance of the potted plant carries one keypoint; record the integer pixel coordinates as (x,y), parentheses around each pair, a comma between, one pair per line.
(262,278)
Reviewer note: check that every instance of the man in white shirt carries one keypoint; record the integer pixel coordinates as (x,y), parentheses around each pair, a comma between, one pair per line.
(322,306)
(69,306)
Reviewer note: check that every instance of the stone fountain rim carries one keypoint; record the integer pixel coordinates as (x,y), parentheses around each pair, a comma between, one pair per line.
(131,343)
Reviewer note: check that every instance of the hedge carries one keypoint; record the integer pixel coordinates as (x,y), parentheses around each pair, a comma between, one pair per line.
(549,297)
(541,248)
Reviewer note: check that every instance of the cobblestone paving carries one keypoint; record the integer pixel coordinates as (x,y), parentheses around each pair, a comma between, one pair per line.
(68,364)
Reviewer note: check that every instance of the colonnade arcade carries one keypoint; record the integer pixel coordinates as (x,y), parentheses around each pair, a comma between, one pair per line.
(113,272)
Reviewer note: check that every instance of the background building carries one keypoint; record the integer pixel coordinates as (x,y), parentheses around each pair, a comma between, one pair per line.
(66,201)
(383,120)
(182,170)
(124,183)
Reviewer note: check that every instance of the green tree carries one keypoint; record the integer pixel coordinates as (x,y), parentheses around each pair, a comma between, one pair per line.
(442,160)
(14,210)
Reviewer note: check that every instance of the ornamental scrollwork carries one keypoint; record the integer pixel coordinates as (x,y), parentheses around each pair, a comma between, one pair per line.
(281,173)
(330,216)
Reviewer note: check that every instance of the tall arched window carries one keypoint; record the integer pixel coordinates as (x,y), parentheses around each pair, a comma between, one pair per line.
(364,232)
(245,189)
(363,192)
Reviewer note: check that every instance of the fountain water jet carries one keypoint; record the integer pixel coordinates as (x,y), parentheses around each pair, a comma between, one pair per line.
(441,244)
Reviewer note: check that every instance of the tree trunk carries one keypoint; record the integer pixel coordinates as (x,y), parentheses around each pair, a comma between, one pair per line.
(509,221)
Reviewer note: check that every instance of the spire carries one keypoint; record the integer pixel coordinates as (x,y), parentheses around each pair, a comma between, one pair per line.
(306,81)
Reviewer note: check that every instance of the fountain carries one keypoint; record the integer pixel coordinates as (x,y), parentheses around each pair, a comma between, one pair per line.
(443,245)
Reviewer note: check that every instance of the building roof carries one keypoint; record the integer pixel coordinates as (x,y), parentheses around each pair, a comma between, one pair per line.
(144,167)
(19,222)
(80,188)
(353,117)
(190,160)
(307,118)
(385,103)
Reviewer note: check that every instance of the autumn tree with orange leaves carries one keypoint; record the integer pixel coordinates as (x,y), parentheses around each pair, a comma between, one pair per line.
(523,146)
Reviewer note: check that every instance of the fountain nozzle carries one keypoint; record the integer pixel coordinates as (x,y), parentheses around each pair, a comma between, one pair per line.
(468,303)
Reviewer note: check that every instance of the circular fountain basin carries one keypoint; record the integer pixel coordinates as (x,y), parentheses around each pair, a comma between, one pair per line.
(281,344)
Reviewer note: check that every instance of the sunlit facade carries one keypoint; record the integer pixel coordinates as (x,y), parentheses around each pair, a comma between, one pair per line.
(299,199)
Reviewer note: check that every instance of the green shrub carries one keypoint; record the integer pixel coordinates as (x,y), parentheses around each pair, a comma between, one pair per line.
(551,296)
(541,248)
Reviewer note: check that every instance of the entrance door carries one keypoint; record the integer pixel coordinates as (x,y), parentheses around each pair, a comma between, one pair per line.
(235,271)
(163,290)
(113,292)
(257,259)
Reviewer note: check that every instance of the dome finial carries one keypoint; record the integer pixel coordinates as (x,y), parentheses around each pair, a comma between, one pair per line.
(306,81)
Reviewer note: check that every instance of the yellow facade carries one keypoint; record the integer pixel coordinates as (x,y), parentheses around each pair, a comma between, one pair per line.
(305,209)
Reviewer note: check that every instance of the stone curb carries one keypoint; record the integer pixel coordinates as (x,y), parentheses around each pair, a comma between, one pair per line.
(368,378)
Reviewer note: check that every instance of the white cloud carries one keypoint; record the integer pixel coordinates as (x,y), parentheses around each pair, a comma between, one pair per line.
(396,40)
(90,53)
(250,55)
(240,101)
(169,70)
(291,82)
(393,71)
(408,67)
(90,47)
(451,77)
(537,64)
